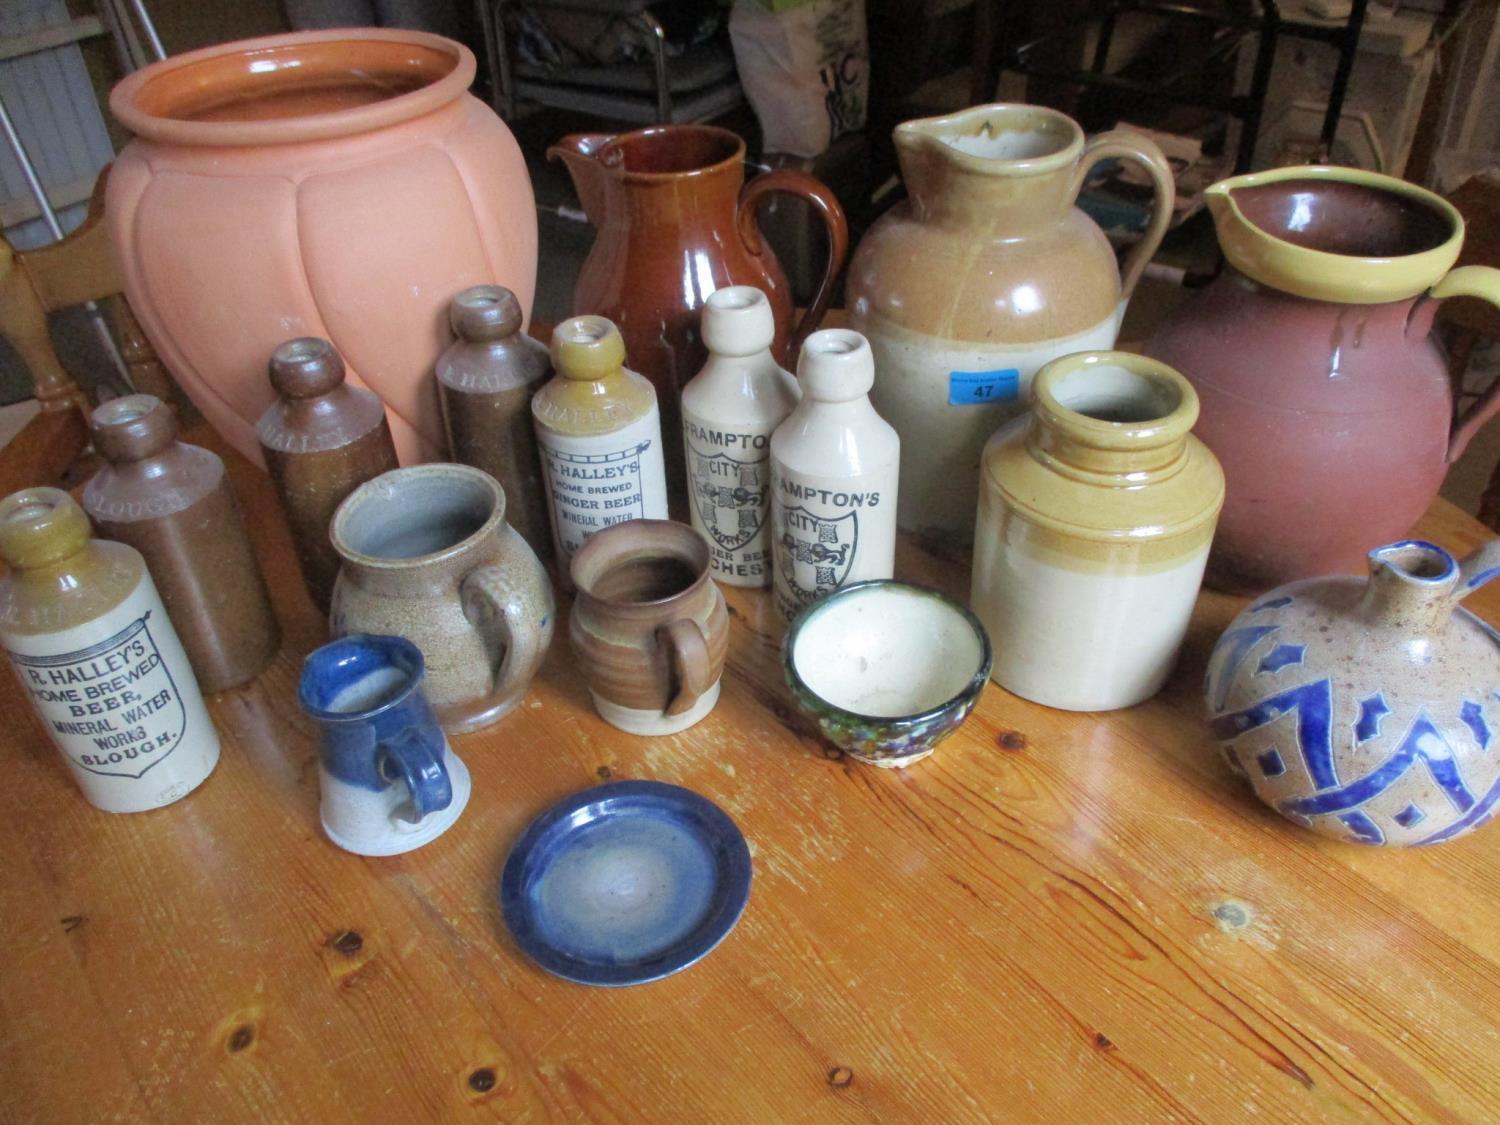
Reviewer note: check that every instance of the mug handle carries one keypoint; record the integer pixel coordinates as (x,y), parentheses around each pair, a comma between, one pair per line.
(810,188)
(1482,282)
(1122,144)
(516,643)
(687,651)
(422,769)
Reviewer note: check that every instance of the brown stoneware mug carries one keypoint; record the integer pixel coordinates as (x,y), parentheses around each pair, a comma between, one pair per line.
(427,555)
(649,625)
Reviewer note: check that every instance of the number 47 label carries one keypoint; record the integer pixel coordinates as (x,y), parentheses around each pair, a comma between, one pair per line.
(978,388)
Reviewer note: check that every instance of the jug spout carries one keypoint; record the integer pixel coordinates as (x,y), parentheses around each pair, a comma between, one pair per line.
(1412,589)
(1216,198)
(591,179)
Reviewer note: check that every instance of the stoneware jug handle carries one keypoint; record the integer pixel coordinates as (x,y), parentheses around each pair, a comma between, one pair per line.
(1476,568)
(688,652)
(515,637)
(421,766)
(793,182)
(576,150)
(1484,283)
(1122,144)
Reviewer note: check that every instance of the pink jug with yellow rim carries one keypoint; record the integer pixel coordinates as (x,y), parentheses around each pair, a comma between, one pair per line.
(1321,391)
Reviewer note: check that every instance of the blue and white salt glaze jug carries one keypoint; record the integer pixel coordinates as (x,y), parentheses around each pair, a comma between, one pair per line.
(1367,709)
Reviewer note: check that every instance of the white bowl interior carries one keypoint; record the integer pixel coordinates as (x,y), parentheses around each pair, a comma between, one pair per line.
(887,652)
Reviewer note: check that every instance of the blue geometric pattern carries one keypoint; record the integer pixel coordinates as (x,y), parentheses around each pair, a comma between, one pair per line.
(1280,657)
(1409,816)
(1362,829)
(1309,735)
(1274,603)
(1371,710)
(1236,645)
(1473,716)
(1313,704)
(1271,764)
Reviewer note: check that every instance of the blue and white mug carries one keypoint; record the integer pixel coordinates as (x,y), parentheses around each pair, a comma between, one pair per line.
(389,780)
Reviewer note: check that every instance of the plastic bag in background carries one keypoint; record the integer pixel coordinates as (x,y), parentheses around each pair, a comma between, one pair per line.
(805,68)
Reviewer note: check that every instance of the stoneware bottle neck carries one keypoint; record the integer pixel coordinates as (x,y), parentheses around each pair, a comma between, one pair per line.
(133,428)
(1113,418)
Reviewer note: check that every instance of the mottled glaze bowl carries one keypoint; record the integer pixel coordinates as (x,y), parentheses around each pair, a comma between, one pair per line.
(887,669)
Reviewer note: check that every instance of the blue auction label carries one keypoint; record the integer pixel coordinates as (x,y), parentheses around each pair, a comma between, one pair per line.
(975,388)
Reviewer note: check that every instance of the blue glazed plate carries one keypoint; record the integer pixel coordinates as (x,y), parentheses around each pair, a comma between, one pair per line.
(625,883)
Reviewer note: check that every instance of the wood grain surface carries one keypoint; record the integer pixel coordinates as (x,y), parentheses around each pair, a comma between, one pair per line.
(1055,915)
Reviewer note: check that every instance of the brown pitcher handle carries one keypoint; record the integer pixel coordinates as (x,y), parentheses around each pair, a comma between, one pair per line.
(1122,144)
(688,652)
(810,188)
(514,638)
(1484,283)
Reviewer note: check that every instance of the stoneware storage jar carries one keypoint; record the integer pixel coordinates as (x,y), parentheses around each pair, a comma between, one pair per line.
(729,411)
(985,273)
(673,226)
(172,502)
(321,438)
(325,183)
(834,468)
(428,556)
(649,626)
(1095,518)
(95,652)
(486,380)
(1365,709)
(1323,395)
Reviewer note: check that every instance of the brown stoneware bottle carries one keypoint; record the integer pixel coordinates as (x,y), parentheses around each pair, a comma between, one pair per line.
(322,439)
(485,382)
(172,502)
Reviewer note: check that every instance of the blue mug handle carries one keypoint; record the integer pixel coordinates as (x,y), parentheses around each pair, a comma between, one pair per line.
(425,772)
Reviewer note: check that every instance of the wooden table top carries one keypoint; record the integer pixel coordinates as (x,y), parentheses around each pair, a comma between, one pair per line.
(1054,914)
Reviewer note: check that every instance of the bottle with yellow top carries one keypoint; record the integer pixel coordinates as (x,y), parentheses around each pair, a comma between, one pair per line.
(598,429)
(97,656)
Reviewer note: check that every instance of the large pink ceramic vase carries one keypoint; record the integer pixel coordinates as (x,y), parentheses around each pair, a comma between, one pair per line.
(331,183)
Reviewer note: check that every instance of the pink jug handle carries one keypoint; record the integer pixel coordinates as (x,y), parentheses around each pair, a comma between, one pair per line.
(1484,283)
(1122,144)
(793,182)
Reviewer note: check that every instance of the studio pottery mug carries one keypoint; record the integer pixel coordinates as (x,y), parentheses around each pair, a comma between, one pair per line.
(427,555)
(389,781)
(649,626)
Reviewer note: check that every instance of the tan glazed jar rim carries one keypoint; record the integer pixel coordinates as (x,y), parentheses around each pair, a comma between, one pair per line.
(1171,424)
(991,122)
(156,101)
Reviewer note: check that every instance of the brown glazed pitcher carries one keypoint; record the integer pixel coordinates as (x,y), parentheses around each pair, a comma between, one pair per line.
(649,626)
(674,226)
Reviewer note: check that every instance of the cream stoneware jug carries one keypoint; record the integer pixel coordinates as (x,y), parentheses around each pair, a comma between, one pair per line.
(984,274)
